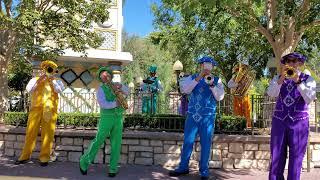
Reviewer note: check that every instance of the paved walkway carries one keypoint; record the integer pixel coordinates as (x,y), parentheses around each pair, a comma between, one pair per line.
(70,171)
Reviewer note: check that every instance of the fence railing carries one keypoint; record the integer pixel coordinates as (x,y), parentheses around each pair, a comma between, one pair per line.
(172,104)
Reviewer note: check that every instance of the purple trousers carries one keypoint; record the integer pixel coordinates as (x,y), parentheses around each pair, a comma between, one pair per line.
(287,133)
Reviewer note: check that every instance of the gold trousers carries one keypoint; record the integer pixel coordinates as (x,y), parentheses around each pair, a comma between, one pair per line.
(242,107)
(48,126)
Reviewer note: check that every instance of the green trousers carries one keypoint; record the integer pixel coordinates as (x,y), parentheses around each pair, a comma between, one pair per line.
(147,104)
(110,124)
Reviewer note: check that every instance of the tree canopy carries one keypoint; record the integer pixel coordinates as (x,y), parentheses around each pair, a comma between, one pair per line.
(210,31)
(262,27)
(44,28)
(35,27)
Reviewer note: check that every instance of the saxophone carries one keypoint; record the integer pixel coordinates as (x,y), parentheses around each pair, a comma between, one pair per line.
(119,96)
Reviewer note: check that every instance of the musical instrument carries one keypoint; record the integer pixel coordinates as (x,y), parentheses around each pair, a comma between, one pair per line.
(209,79)
(244,78)
(148,81)
(49,68)
(290,71)
(119,96)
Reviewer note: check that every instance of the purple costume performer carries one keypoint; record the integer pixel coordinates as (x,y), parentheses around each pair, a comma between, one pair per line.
(183,109)
(290,121)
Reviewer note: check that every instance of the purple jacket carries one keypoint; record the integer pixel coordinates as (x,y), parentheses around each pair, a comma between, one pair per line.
(290,103)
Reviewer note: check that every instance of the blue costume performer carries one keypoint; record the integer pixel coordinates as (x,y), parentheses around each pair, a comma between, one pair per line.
(200,117)
(290,122)
(151,87)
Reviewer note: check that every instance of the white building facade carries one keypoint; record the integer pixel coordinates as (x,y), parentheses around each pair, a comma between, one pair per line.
(78,70)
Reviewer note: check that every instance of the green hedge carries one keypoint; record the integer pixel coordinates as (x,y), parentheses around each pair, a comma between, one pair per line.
(16,118)
(64,119)
(158,122)
(225,124)
(78,119)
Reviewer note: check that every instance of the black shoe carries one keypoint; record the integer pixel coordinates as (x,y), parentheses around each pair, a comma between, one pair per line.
(112,174)
(176,174)
(43,164)
(17,162)
(82,171)
(207,178)
(204,178)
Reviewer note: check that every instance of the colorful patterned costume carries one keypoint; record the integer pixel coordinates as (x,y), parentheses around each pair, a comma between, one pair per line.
(43,112)
(290,122)
(110,124)
(200,118)
(149,100)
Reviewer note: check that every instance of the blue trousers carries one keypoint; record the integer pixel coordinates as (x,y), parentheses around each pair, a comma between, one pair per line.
(205,128)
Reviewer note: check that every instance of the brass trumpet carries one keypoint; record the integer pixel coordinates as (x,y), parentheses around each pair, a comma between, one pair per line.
(50,71)
(209,79)
(290,72)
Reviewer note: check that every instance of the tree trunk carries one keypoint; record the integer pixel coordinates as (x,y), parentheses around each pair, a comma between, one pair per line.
(288,37)
(7,46)
(3,86)
(282,48)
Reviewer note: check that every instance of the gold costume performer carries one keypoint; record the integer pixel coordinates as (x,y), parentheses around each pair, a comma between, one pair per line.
(242,107)
(240,85)
(43,112)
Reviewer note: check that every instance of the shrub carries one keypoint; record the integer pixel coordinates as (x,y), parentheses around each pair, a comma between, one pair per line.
(230,124)
(78,119)
(16,118)
(158,122)
(64,119)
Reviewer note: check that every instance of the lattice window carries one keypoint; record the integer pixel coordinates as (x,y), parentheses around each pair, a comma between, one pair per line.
(69,76)
(86,77)
(109,40)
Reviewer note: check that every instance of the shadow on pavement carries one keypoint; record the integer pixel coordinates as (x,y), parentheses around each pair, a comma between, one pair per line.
(70,171)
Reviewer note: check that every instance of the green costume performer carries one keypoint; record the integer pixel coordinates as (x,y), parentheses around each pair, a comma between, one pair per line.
(151,87)
(110,124)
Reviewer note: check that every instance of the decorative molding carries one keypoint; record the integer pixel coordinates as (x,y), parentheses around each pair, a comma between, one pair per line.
(102,25)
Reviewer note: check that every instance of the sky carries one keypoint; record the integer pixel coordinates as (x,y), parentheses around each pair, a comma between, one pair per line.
(137,16)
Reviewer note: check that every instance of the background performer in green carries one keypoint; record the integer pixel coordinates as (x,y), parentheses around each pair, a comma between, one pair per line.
(110,123)
(151,87)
